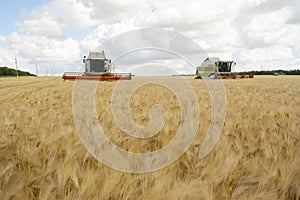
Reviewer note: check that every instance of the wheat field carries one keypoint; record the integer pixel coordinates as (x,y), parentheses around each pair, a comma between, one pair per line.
(256,157)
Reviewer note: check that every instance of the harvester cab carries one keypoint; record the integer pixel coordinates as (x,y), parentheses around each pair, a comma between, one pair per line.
(97,62)
(225,66)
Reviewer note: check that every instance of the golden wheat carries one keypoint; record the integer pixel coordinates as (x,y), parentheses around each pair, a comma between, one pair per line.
(257,155)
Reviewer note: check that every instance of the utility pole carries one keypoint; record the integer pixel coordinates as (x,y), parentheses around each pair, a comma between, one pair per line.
(16,63)
(36,69)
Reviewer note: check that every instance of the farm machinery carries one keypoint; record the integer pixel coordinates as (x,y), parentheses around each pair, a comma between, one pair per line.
(215,68)
(97,67)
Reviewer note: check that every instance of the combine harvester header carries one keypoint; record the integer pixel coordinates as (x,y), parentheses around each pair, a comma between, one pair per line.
(215,68)
(97,67)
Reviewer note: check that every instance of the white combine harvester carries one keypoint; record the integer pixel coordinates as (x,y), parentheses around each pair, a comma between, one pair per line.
(97,67)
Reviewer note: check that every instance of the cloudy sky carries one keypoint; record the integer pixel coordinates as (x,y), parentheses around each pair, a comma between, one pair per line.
(56,34)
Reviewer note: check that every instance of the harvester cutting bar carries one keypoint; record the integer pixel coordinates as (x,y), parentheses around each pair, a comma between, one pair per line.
(234,76)
(96,76)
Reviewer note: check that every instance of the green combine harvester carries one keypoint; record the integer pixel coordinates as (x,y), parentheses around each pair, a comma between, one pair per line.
(215,68)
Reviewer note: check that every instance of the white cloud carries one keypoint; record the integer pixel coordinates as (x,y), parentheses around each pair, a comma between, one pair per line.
(167,17)
(7,58)
(2,39)
(188,14)
(52,18)
(272,58)
(253,32)
(44,26)
(45,50)
(266,30)
(104,32)
(113,9)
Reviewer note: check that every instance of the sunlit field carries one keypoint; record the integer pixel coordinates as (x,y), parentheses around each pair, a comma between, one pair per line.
(256,157)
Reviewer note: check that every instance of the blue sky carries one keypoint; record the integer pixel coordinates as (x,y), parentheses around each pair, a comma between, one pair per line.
(10,13)
(58,33)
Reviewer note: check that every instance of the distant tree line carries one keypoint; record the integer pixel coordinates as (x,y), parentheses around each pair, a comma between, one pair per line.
(277,72)
(5,71)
